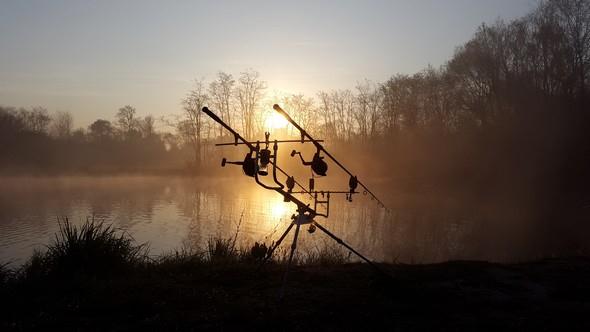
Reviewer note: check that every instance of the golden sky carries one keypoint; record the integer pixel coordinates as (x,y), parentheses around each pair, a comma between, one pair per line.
(92,57)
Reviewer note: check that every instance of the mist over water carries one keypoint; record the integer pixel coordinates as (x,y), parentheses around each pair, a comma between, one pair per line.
(172,212)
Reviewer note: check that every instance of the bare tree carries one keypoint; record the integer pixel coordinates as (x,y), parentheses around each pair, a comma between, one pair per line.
(126,120)
(191,125)
(61,124)
(343,101)
(249,93)
(147,126)
(574,18)
(303,111)
(35,120)
(369,105)
(326,109)
(220,93)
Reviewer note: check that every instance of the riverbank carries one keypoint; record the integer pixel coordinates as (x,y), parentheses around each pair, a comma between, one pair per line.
(95,277)
(544,295)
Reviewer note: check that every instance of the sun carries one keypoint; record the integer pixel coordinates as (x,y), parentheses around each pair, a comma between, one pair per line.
(276,121)
(278,210)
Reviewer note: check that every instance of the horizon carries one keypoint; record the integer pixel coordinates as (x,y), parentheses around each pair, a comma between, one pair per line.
(90,59)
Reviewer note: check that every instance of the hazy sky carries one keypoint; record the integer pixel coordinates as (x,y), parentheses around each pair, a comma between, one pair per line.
(92,57)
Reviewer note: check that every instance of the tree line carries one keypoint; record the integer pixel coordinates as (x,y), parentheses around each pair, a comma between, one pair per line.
(537,63)
(523,78)
(521,72)
(37,141)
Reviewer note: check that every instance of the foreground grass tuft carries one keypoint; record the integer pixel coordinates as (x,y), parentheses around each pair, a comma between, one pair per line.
(97,249)
(94,248)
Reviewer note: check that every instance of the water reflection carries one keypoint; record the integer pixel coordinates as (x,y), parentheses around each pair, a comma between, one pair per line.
(173,212)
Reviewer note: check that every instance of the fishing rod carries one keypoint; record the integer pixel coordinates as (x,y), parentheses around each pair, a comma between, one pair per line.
(257,165)
(302,207)
(320,147)
(291,181)
(239,140)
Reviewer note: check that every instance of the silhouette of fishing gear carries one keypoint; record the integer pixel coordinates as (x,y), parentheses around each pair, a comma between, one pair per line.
(260,158)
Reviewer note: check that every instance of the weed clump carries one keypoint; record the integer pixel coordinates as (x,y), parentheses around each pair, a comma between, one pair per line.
(94,248)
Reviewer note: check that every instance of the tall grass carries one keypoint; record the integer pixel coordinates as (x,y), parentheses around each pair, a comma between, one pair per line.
(221,249)
(93,248)
(97,249)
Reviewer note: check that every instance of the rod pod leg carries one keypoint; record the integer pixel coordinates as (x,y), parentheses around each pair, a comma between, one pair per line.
(337,239)
(275,246)
(293,247)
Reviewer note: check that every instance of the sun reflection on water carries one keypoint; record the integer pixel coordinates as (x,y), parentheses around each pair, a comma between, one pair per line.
(279,209)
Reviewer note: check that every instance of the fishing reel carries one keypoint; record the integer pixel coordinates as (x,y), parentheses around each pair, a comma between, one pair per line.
(249,165)
(263,160)
(317,163)
(252,165)
(264,155)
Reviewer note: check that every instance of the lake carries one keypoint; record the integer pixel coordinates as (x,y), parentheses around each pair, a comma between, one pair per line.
(171,212)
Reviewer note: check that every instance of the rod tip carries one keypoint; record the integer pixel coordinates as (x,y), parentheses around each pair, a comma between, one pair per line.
(205,109)
(276,107)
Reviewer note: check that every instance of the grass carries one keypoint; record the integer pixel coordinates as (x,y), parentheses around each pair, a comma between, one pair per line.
(93,248)
(222,250)
(97,249)
(220,287)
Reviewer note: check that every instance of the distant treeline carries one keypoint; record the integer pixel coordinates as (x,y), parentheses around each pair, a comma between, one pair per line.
(516,91)
(35,142)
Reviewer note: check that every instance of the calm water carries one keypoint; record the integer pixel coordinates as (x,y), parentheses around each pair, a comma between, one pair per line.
(169,212)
